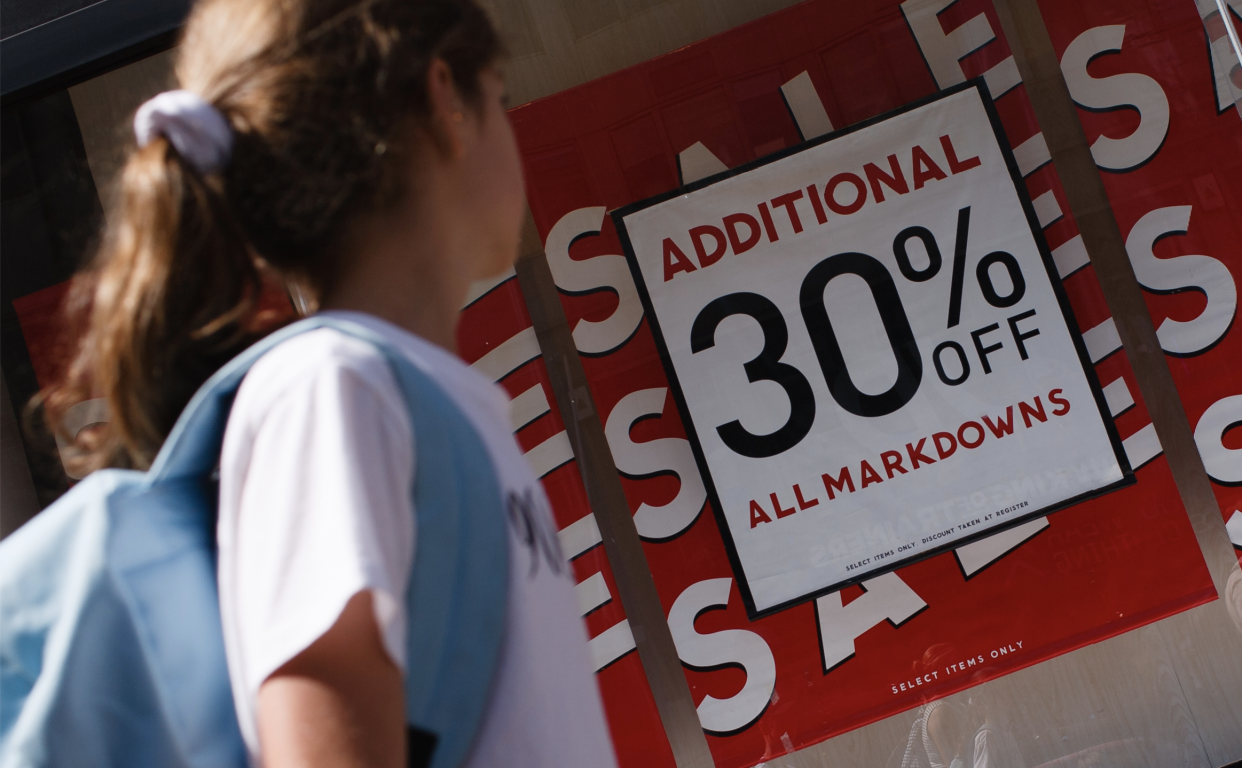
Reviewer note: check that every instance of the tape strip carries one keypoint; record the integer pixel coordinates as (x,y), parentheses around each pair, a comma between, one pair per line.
(646,625)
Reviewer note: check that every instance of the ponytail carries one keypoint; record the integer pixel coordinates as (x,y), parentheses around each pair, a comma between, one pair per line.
(169,298)
(321,101)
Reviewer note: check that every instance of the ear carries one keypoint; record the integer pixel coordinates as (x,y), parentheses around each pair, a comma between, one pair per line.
(447,109)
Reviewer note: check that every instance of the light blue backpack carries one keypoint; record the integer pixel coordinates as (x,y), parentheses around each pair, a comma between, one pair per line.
(111,651)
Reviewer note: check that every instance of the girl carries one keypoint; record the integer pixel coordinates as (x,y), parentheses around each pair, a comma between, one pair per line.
(359,149)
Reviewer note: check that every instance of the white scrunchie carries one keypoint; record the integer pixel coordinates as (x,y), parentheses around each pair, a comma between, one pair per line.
(197,129)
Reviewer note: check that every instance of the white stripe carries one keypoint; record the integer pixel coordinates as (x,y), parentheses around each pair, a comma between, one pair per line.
(592,592)
(1070,256)
(1142,446)
(697,162)
(480,287)
(1002,78)
(1117,395)
(528,406)
(579,537)
(611,644)
(1047,209)
(1032,154)
(974,556)
(805,105)
(1102,340)
(550,454)
(77,418)
(1227,20)
(1234,528)
(506,358)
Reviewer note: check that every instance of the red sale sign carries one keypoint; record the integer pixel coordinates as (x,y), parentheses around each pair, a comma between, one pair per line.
(768,686)
(1162,110)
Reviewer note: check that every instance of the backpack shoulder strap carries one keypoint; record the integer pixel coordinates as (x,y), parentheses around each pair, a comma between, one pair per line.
(192,448)
(458,587)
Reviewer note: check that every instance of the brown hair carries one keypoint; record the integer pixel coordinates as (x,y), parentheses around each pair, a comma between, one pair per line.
(323,97)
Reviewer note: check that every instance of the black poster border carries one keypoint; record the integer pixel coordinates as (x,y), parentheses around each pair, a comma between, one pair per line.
(978,84)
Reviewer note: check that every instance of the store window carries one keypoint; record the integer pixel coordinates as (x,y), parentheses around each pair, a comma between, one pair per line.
(62,151)
(1065,640)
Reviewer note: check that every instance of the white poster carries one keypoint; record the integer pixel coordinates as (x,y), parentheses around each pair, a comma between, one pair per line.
(864,336)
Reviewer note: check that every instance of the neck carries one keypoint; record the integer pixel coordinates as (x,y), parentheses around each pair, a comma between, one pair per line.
(410,270)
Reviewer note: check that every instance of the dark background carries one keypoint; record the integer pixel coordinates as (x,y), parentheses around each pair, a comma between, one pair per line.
(49,208)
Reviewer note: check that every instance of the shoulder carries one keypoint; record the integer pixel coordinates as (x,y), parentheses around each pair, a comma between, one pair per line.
(316,369)
(473,392)
(315,354)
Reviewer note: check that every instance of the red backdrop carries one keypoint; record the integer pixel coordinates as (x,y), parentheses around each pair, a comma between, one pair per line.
(1099,568)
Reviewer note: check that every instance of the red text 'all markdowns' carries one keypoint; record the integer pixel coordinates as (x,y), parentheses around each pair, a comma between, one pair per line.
(928,450)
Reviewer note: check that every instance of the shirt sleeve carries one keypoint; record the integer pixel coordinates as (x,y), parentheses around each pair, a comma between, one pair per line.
(323,511)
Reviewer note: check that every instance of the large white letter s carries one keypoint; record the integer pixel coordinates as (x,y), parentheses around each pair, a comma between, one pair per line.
(1179,273)
(585,276)
(718,649)
(667,454)
(1128,89)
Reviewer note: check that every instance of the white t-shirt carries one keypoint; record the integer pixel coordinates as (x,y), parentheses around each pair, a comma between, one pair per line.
(315,507)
